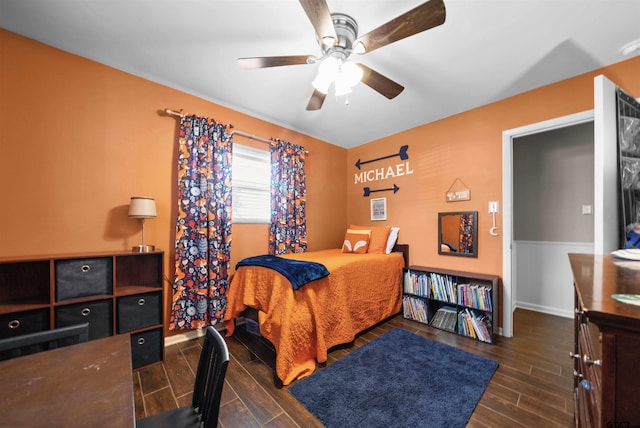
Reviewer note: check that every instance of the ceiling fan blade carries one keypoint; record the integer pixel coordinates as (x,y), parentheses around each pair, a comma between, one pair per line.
(380,83)
(320,17)
(272,61)
(427,15)
(317,98)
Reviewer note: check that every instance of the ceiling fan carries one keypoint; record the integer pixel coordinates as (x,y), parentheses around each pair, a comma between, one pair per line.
(337,36)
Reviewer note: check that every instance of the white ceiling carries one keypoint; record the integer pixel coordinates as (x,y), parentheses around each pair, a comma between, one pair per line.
(485,51)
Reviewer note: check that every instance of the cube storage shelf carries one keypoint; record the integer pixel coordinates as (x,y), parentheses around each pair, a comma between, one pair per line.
(464,303)
(114,292)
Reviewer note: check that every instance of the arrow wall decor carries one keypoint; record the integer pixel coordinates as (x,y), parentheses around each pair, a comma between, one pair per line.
(384,172)
(368,191)
(402,154)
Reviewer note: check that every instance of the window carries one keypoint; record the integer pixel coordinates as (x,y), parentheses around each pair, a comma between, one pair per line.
(251,185)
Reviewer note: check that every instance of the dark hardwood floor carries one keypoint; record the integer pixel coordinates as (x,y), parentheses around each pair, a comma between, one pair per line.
(531,388)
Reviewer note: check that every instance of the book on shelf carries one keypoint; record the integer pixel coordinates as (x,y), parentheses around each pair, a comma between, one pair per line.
(416,283)
(475,296)
(445,318)
(408,282)
(443,287)
(475,324)
(415,309)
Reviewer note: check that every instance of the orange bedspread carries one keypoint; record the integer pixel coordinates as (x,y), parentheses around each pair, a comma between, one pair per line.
(361,290)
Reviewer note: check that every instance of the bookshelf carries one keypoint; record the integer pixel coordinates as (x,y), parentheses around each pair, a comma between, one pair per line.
(464,303)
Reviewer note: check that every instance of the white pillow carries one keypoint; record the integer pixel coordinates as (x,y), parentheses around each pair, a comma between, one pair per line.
(391,240)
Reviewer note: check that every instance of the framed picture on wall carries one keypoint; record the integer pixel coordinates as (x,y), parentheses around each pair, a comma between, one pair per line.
(379,209)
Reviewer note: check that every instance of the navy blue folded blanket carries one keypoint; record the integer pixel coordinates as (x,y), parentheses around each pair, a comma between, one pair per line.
(298,272)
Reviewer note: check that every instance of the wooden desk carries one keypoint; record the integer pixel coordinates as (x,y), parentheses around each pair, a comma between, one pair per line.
(89,384)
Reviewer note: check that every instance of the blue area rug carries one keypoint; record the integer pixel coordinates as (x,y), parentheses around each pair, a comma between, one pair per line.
(397,380)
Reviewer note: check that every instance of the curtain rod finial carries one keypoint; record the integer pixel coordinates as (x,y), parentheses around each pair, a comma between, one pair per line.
(170,112)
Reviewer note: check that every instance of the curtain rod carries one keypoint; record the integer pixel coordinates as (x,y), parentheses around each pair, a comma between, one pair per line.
(180,114)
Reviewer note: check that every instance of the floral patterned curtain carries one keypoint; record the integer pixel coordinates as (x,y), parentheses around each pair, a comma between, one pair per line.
(288,232)
(203,229)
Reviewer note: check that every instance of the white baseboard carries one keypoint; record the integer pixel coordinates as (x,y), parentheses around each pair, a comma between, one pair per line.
(189,335)
(546,310)
(183,337)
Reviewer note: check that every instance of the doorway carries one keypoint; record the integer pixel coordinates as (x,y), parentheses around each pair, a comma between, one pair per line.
(553,188)
(510,298)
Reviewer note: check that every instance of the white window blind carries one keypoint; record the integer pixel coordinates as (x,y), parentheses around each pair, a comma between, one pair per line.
(251,185)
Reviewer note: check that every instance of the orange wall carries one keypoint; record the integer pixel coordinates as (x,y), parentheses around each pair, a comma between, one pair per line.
(467,146)
(78,139)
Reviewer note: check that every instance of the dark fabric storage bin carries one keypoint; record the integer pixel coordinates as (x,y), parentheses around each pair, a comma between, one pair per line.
(139,311)
(146,348)
(24,322)
(99,315)
(77,278)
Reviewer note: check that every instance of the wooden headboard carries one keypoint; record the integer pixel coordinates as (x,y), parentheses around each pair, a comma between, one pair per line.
(404,249)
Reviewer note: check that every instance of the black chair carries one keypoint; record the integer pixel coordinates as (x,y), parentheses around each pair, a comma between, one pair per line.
(207,390)
(43,341)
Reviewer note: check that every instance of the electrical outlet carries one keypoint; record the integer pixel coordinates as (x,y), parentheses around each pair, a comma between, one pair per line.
(586,210)
(493,207)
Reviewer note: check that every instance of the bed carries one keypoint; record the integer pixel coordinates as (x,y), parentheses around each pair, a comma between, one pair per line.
(302,325)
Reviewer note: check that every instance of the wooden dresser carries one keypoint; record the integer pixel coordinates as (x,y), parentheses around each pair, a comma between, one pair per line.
(607,342)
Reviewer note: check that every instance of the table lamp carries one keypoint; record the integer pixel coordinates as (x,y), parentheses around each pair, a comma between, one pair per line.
(142,208)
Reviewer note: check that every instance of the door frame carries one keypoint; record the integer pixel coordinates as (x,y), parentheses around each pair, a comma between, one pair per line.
(508,295)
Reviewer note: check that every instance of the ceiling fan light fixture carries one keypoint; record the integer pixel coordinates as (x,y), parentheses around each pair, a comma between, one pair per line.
(341,88)
(343,74)
(328,41)
(359,47)
(348,77)
(321,84)
(350,73)
(327,74)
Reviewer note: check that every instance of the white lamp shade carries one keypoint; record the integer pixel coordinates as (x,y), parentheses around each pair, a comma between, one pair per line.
(341,87)
(142,207)
(327,73)
(351,73)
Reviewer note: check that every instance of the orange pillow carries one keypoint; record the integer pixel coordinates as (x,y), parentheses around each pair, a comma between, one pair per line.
(378,240)
(360,231)
(355,242)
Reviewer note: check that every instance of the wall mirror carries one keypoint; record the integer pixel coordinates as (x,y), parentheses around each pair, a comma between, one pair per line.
(458,234)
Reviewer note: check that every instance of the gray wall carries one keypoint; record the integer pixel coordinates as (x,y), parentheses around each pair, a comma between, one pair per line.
(552,179)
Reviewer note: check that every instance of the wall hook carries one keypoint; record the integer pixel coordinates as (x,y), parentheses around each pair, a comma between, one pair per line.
(493,230)
(493,209)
